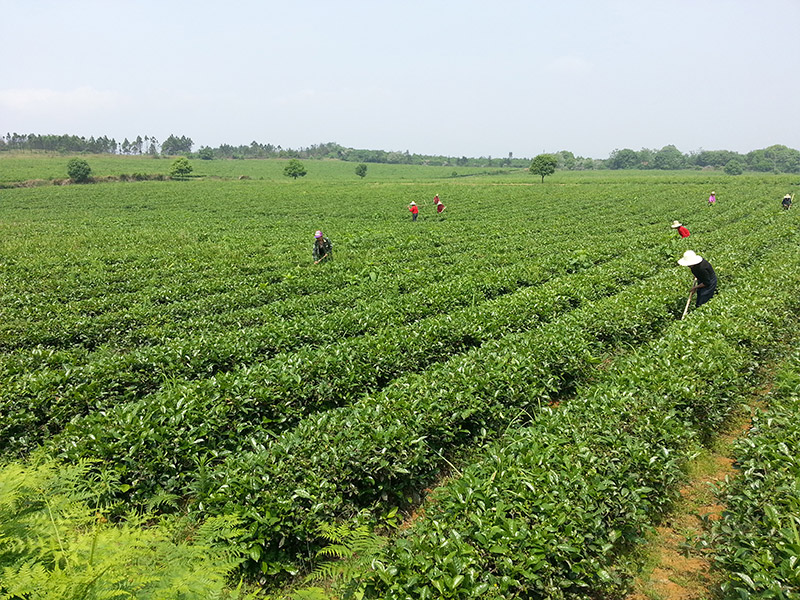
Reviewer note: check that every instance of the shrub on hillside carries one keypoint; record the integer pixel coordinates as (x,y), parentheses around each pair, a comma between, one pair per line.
(79,170)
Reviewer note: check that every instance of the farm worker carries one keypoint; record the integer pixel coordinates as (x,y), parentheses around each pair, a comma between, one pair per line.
(681,229)
(440,207)
(787,202)
(323,249)
(712,199)
(414,210)
(436,200)
(705,278)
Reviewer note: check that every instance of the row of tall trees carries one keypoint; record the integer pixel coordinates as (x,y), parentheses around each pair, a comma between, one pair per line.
(777,158)
(74,144)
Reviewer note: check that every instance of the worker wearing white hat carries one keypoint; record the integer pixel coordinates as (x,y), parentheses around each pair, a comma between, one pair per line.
(323,249)
(705,277)
(681,229)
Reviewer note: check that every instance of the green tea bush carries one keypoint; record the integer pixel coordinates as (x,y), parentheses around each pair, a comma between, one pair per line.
(756,543)
(554,509)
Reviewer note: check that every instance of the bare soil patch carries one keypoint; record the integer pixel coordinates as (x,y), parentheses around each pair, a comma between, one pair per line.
(676,567)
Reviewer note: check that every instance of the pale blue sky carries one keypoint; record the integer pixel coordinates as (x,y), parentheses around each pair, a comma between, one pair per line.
(450,77)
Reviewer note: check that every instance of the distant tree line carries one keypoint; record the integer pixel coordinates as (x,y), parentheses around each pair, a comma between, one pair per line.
(73,144)
(775,159)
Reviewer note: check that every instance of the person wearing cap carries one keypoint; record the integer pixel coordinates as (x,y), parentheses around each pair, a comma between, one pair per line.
(712,198)
(414,210)
(323,249)
(787,202)
(681,229)
(705,278)
(436,200)
(440,207)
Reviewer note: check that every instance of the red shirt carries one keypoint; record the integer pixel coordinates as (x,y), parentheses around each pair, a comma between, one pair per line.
(683,231)
(436,199)
(439,207)
(414,209)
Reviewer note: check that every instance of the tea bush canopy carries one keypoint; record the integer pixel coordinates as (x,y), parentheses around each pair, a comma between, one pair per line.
(79,170)
(361,170)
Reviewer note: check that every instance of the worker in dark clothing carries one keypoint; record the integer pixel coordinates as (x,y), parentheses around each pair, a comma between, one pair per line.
(787,202)
(705,278)
(323,249)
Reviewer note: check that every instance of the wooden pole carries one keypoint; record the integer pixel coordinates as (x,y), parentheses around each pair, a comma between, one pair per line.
(688,301)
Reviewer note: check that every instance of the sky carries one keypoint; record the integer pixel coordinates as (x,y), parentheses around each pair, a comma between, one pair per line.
(451,77)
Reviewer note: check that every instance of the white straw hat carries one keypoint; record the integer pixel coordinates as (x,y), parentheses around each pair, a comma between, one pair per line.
(689,259)
(675,224)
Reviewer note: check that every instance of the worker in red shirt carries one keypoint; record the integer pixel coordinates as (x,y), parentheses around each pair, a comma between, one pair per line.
(414,210)
(436,200)
(681,229)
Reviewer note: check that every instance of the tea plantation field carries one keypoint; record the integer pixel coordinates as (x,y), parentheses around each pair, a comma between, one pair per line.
(504,392)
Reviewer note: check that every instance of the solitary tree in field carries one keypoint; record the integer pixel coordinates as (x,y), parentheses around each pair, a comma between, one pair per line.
(295,169)
(361,170)
(79,170)
(544,164)
(180,168)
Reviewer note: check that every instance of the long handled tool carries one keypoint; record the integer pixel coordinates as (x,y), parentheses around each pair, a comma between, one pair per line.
(688,300)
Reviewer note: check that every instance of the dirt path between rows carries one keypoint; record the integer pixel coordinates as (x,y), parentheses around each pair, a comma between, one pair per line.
(676,568)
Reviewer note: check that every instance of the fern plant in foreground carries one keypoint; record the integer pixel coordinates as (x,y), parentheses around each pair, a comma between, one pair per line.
(56,542)
(352,552)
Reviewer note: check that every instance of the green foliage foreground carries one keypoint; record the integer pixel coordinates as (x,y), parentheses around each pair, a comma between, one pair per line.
(57,542)
(757,542)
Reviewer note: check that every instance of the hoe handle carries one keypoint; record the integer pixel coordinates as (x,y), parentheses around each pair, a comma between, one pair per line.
(688,300)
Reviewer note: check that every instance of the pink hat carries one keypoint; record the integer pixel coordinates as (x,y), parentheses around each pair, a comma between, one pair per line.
(318,234)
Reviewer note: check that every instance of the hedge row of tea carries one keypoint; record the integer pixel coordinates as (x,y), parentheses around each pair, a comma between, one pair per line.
(383,449)
(91,327)
(113,337)
(132,436)
(114,309)
(179,335)
(757,543)
(553,509)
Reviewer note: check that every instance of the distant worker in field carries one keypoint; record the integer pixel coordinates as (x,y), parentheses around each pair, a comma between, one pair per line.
(705,278)
(436,200)
(712,199)
(323,249)
(440,207)
(414,210)
(787,202)
(681,229)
